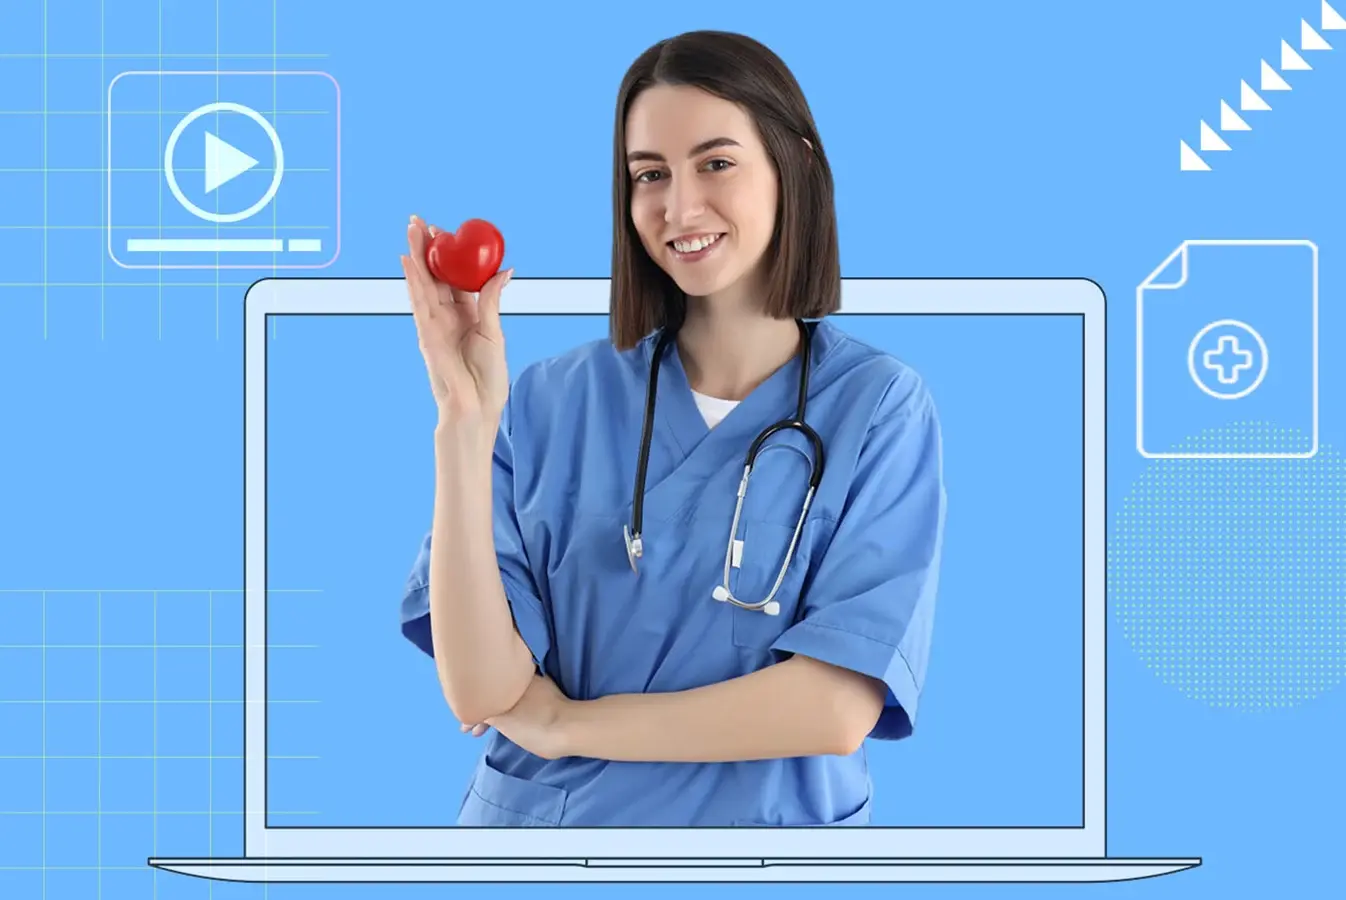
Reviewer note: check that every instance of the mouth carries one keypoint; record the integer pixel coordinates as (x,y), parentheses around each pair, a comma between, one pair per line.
(694,248)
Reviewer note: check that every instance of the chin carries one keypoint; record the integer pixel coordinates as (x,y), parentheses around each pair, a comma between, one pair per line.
(699,285)
(699,279)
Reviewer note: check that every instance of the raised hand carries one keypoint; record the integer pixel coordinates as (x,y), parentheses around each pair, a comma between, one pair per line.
(459,336)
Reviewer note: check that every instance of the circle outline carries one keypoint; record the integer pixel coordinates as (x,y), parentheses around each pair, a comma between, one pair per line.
(223,106)
(1191,359)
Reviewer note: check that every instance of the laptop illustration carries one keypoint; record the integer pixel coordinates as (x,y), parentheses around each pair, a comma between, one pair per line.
(1070,847)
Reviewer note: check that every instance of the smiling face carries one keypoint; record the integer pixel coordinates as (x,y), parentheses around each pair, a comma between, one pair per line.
(703,191)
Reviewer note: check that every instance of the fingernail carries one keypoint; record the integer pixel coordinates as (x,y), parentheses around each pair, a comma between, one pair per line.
(509,273)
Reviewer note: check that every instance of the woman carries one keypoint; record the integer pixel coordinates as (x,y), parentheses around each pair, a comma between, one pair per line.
(622,684)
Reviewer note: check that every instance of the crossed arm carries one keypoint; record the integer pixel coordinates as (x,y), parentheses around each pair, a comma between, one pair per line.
(799,707)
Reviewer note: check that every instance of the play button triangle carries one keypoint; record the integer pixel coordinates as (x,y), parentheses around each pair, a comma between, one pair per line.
(224,162)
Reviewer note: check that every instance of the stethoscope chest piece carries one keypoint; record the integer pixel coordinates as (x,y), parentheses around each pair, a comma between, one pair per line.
(634,547)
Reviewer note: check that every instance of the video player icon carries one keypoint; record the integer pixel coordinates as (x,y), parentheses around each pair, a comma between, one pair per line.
(212,141)
(224,161)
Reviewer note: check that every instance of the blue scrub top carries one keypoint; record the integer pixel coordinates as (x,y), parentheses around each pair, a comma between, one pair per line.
(860,592)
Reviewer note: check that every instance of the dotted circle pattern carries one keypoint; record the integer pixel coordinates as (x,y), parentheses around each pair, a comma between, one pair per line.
(1229,575)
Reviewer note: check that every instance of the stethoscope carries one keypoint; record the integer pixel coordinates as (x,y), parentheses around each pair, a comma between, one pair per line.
(635,546)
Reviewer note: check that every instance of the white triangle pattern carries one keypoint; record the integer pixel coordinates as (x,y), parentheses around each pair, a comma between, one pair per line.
(1271,80)
(1210,139)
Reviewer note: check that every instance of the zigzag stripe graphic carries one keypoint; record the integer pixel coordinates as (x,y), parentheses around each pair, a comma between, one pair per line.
(1250,100)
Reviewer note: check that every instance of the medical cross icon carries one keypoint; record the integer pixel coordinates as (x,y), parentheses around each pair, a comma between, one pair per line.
(1229,359)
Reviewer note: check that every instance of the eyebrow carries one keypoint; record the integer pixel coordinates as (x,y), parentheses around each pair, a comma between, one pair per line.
(702,147)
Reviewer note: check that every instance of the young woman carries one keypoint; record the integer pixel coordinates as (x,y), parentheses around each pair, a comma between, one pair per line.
(637,665)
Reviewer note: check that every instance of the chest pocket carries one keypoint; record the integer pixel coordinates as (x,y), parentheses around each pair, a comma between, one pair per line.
(771,507)
(764,550)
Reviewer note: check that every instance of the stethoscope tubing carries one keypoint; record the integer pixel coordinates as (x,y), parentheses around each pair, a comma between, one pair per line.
(632,532)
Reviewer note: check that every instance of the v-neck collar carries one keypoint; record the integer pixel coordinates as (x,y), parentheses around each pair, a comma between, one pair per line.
(697,452)
(774,399)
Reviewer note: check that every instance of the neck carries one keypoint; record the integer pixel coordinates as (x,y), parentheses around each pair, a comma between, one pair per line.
(727,351)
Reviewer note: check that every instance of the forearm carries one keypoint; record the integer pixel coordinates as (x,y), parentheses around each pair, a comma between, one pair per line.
(799,707)
(483,664)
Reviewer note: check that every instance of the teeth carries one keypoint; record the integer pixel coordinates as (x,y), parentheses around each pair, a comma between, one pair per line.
(695,245)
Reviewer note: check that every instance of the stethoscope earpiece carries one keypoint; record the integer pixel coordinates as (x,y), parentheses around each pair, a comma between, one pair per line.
(721,593)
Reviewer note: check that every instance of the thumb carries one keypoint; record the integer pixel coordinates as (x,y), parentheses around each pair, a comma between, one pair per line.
(488,305)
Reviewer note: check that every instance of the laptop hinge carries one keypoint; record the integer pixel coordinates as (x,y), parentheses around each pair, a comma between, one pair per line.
(722,863)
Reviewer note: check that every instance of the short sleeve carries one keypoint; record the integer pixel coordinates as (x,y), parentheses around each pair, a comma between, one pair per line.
(871,600)
(521,590)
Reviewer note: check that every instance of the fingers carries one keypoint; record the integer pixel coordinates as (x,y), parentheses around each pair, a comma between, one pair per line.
(427,330)
(435,325)
(417,308)
(419,311)
(465,305)
(420,234)
(418,240)
(476,730)
(420,283)
(488,305)
(428,326)
(432,294)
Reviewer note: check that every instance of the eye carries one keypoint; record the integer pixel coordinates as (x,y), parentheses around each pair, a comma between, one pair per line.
(647,176)
(719,164)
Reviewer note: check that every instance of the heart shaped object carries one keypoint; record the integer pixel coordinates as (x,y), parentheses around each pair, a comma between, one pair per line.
(467,258)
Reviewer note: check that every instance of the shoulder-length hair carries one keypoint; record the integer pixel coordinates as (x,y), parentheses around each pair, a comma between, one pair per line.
(804,268)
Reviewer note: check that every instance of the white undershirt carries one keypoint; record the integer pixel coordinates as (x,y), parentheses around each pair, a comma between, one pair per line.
(713,409)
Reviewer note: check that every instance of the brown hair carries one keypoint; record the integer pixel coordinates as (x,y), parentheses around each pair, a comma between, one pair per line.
(804,280)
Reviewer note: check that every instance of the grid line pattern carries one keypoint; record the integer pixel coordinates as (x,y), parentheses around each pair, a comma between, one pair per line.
(51,178)
(69,817)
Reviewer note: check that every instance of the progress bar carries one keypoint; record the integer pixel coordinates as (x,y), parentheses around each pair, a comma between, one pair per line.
(222,245)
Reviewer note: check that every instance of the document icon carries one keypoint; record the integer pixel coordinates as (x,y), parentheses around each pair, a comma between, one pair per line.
(1227,352)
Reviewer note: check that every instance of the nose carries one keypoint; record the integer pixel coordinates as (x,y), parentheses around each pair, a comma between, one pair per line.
(684,200)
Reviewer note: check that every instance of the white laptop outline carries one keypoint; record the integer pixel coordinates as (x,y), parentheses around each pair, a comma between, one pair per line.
(387,854)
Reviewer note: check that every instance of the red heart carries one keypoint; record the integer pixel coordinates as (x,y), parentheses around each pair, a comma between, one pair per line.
(467,259)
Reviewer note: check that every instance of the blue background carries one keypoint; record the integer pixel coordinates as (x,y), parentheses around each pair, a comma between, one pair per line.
(1036,139)
(350,485)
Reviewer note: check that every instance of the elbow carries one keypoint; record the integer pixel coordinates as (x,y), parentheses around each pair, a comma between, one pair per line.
(484,699)
(849,736)
(476,707)
(846,705)
(465,708)
(857,713)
